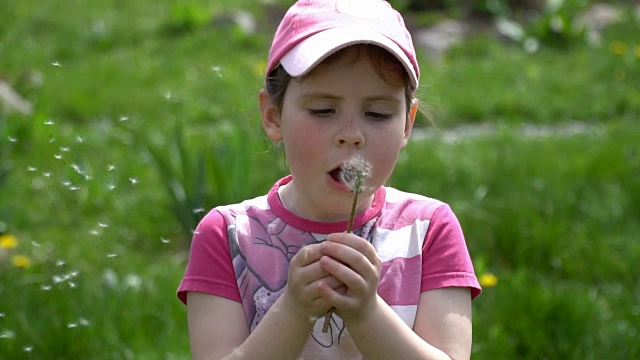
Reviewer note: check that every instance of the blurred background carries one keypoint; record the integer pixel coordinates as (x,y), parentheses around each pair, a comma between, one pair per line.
(123,122)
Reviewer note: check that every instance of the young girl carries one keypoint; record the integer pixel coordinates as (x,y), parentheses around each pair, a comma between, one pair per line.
(263,274)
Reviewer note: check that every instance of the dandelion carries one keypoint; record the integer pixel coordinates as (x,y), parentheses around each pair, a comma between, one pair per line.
(354,173)
(637,52)
(618,48)
(21,261)
(8,241)
(488,280)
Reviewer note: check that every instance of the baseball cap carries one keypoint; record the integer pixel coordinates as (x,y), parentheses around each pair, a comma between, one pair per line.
(312,30)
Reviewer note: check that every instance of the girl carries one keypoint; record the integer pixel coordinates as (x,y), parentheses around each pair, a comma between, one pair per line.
(263,274)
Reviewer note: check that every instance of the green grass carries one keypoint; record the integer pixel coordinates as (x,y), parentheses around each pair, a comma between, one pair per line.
(107,225)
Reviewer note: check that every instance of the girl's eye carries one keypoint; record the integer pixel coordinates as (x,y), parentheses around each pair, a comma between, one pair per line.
(322,112)
(377,116)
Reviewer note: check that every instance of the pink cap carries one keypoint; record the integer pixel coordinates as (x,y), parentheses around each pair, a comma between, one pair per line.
(311,30)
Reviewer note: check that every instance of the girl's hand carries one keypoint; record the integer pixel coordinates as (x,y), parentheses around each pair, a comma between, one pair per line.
(353,261)
(306,277)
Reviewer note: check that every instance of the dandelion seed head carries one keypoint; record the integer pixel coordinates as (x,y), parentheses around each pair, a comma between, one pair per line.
(354,172)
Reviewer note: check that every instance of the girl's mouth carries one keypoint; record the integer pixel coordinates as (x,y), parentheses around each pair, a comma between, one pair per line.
(336,174)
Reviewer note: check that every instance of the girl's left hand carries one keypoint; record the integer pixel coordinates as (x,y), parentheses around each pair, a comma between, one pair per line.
(355,262)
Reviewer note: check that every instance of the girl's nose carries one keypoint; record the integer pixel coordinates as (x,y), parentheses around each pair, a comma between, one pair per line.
(350,134)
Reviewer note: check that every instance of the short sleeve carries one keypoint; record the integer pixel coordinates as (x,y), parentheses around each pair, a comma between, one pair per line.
(210,268)
(445,257)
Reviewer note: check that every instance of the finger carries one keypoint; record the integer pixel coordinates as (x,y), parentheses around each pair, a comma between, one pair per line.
(307,255)
(351,258)
(343,273)
(357,243)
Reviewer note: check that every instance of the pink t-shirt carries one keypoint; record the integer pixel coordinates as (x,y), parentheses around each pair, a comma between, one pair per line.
(242,252)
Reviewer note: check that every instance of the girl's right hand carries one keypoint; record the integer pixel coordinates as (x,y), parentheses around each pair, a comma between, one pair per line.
(302,297)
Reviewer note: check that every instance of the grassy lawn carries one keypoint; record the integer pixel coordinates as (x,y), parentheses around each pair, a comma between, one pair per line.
(145,113)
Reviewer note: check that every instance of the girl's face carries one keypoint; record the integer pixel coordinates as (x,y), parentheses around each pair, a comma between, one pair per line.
(336,112)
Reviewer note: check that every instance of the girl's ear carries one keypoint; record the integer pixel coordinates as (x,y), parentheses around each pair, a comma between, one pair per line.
(411,118)
(270,117)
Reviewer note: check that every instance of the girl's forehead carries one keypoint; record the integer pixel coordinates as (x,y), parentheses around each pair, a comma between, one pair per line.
(383,64)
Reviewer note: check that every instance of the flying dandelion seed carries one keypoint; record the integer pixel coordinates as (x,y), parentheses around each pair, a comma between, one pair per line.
(56,64)
(83,321)
(2,315)
(194,232)
(46,174)
(103,225)
(133,180)
(111,167)
(74,188)
(60,262)
(31,168)
(35,244)
(57,156)
(7,334)
(72,285)
(164,240)
(124,118)
(94,232)
(111,255)
(49,122)
(87,177)
(198,210)
(28,349)
(52,139)
(111,187)
(12,139)
(72,325)
(77,169)
(66,183)
(79,139)
(64,149)
(45,287)
(217,70)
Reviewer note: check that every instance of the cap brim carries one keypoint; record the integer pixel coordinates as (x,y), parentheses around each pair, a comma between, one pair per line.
(313,50)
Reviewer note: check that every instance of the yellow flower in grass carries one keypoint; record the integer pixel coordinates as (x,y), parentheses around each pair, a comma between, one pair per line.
(618,48)
(638,51)
(21,261)
(8,241)
(488,280)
